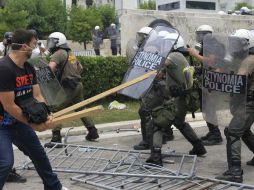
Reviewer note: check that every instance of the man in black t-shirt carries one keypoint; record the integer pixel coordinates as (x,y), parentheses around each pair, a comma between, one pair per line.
(18,83)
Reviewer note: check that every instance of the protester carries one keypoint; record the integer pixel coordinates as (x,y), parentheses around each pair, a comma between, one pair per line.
(20,99)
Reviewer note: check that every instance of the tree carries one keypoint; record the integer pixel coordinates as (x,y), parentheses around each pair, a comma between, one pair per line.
(82,22)
(240,5)
(45,16)
(149,5)
(107,14)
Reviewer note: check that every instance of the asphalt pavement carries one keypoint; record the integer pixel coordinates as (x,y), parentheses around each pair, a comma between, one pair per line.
(212,164)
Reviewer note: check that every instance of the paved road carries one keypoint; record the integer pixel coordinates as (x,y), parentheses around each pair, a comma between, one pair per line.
(212,164)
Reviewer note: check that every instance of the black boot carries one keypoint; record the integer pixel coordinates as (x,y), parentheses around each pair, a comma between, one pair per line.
(213,137)
(198,149)
(190,135)
(56,138)
(15,178)
(92,134)
(234,174)
(143,145)
(155,158)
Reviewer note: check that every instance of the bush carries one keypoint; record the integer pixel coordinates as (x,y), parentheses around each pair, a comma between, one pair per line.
(102,73)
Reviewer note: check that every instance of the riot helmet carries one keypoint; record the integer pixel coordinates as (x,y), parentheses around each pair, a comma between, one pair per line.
(56,40)
(113,25)
(34,33)
(178,40)
(142,34)
(8,38)
(246,35)
(202,31)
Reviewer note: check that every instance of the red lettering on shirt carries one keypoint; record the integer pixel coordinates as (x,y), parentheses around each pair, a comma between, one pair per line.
(24,80)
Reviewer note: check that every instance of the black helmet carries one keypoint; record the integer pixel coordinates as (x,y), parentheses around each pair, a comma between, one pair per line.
(33,32)
(8,36)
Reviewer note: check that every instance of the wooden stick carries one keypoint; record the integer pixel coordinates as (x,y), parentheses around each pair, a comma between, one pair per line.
(103,94)
(77,115)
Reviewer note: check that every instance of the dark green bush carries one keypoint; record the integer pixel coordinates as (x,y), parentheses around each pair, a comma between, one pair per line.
(102,73)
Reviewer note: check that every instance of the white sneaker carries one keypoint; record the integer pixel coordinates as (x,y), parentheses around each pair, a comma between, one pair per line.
(64,188)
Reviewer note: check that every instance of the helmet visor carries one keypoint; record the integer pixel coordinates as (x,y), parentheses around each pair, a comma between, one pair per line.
(51,43)
(200,36)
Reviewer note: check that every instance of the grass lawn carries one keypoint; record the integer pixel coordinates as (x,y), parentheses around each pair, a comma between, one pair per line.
(108,116)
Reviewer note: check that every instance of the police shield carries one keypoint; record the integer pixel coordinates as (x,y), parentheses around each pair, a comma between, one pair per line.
(131,50)
(150,56)
(224,79)
(50,87)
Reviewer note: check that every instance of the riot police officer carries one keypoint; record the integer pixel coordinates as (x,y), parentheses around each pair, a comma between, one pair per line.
(152,99)
(68,71)
(213,137)
(5,45)
(174,107)
(239,127)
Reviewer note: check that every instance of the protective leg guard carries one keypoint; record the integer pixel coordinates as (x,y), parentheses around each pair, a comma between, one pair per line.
(147,132)
(234,172)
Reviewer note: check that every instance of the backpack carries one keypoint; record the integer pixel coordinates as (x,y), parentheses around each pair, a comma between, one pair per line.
(70,74)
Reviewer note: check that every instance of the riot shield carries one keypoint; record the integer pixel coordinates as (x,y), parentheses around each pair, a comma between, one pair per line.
(131,50)
(224,82)
(150,56)
(50,87)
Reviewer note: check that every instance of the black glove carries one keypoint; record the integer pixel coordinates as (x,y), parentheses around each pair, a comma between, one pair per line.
(34,111)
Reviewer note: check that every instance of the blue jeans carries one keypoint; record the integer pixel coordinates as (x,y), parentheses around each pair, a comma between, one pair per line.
(27,141)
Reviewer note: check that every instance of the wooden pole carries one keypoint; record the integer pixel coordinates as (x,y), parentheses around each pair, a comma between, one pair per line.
(77,115)
(103,94)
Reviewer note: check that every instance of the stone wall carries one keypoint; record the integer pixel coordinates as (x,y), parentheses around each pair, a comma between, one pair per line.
(186,22)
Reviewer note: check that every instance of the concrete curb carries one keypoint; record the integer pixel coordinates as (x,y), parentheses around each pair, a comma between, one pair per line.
(132,124)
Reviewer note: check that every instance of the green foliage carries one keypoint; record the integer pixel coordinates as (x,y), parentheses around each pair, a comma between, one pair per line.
(45,16)
(107,14)
(81,23)
(240,5)
(102,73)
(149,5)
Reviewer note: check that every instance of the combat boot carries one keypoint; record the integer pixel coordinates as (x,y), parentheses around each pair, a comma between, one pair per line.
(143,145)
(13,177)
(206,136)
(198,149)
(56,138)
(155,158)
(234,174)
(250,162)
(213,137)
(92,134)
